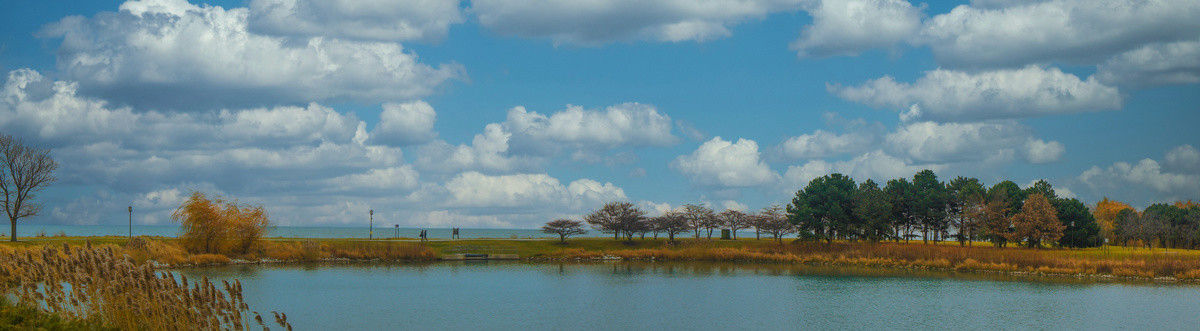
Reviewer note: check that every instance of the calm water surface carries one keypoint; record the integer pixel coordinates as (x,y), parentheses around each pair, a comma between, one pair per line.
(623,295)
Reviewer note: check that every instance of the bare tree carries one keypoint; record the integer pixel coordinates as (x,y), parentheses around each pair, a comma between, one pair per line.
(618,218)
(24,171)
(698,217)
(564,228)
(773,221)
(672,223)
(735,220)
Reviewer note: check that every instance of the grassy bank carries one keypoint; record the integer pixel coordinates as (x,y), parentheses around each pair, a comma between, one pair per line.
(1104,262)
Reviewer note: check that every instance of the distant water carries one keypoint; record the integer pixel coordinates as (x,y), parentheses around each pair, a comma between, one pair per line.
(30,230)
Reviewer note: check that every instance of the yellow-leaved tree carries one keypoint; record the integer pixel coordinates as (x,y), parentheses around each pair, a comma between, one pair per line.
(1037,222)
(1106,214)
(219,226)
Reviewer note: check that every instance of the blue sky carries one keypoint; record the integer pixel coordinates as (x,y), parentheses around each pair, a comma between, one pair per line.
(498,113)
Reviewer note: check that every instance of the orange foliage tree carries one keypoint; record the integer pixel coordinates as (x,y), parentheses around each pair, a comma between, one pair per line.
(219,226)
(1036,223)
(1106,214)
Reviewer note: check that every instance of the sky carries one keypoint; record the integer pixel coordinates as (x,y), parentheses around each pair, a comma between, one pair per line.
(512,113)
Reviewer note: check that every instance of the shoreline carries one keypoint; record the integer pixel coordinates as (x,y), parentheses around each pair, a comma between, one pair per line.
(1112,263)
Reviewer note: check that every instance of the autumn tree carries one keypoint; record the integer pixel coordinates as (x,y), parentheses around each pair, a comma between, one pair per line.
(218,225)
(24,171)
(619,218)
(1106,216)
(734,220)
(564,228)
(1036,223)
(993,219)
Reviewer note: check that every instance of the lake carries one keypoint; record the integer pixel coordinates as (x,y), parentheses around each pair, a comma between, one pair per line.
(695,295)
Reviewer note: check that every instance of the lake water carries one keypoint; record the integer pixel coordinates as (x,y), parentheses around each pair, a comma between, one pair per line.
(31,230)
(629,295)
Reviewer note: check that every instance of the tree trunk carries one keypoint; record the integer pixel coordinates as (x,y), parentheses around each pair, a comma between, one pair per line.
(756,236)
(562,238)
(14,230)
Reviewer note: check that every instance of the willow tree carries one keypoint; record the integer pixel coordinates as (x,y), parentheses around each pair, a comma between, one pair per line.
(24,170)
(218,225)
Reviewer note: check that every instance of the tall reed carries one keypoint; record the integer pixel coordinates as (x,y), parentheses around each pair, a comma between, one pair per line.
(96,284)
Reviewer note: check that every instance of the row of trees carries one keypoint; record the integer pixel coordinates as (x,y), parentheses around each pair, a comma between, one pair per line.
(625,220)
(1170,226)
(835,207)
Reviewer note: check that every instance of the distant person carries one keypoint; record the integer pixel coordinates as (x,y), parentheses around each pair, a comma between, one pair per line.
(454,235)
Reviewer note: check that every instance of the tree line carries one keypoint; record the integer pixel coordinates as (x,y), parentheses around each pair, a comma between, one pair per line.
(625,221)
(835,207)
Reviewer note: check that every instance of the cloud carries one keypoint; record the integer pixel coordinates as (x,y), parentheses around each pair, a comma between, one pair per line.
(1148,181)
(392,180)
(851,27)
(1153,65)
(1038,151)
(961,142)
(426,20)
(488,152)
(876,165)
(169,54)
(723,164)
(540,191)
(948,95)
(823,143)
(1183,159)
(405,124)
(605,21)
(526,139)
(623,125)
(1072,31)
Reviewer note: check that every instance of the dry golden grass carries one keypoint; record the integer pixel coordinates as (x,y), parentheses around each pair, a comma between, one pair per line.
(102,285)
(1182,266)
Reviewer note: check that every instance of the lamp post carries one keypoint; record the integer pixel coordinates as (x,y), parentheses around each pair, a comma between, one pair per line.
(371,226)
(130,222)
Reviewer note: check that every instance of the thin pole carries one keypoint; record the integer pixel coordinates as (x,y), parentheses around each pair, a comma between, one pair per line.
(130,222)
(371,226)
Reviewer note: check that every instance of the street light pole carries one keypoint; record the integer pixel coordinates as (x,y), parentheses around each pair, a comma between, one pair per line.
(371,226)
(130,222)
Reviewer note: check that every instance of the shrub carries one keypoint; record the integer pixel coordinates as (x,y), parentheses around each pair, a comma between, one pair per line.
(219,226)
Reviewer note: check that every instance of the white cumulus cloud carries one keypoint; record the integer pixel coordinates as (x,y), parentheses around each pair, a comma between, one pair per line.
(370,20)
(949,95)
(848,27)
(405,124)
(604,21)
(721,163)
(172,54)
